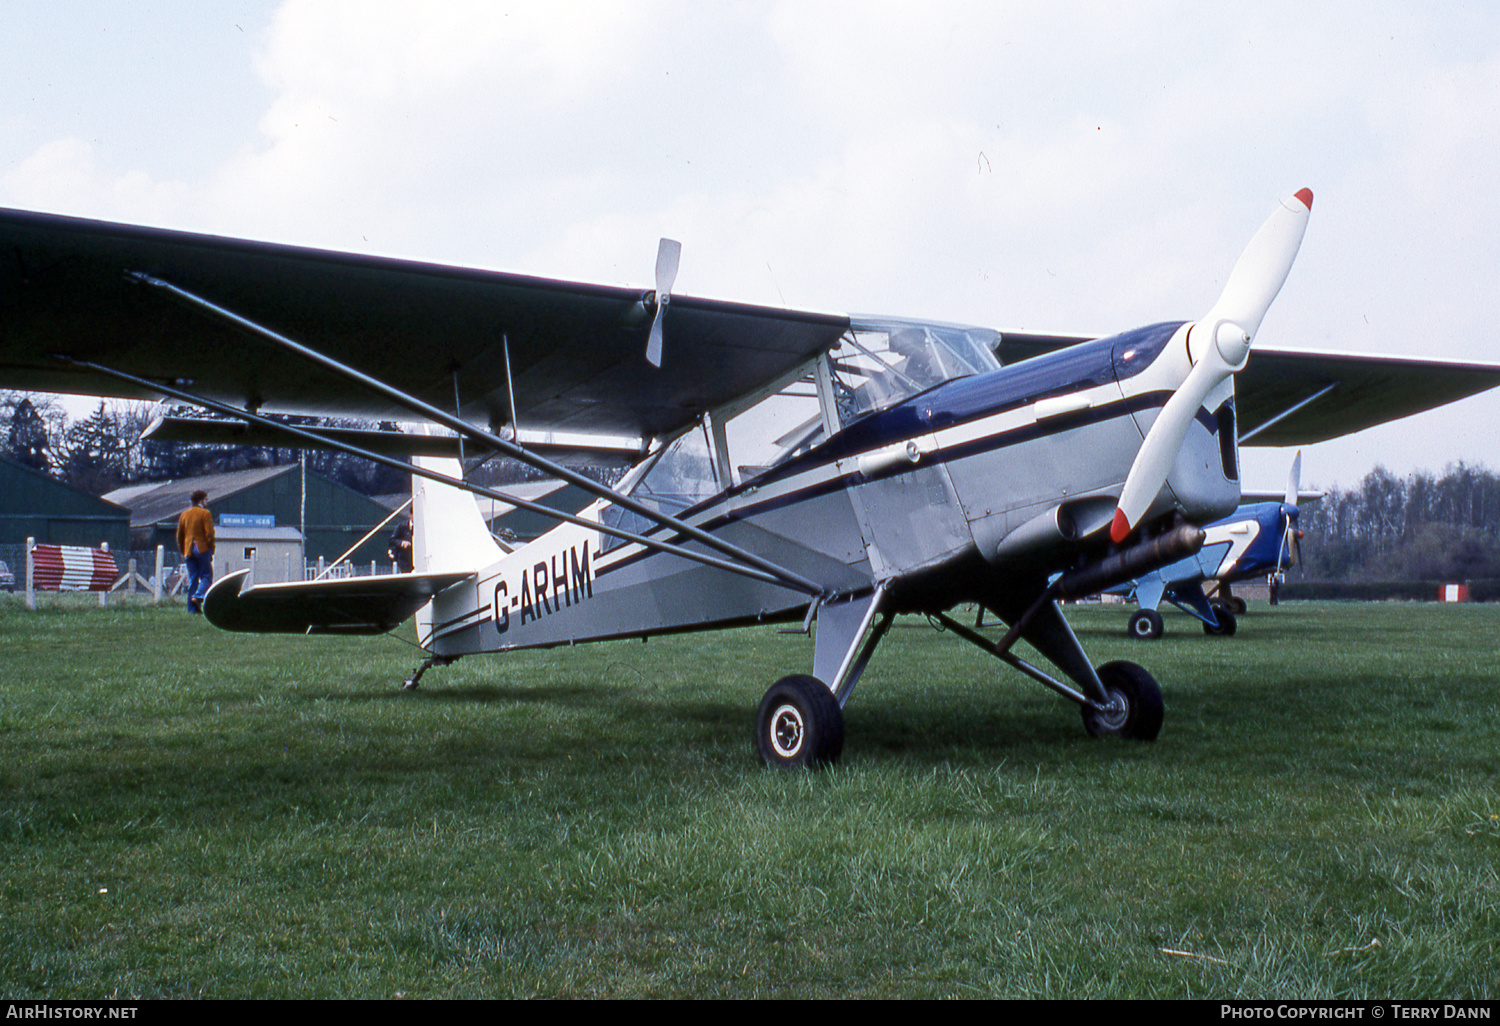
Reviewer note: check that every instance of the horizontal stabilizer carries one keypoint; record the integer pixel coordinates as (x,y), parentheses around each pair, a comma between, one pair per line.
(352,605)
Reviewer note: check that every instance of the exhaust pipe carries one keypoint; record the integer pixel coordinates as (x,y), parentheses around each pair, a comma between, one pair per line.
(1141,558)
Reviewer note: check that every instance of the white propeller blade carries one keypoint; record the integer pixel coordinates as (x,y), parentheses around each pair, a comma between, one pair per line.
(1219,345)
(1289,542)
(668,253)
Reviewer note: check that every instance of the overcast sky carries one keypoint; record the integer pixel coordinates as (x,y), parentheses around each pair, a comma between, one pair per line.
(1066,167)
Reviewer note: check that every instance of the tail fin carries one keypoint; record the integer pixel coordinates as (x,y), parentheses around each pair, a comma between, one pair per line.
(448,533)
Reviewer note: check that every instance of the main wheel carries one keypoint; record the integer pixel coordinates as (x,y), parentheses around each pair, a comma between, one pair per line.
(1145,625)
(799,724)
(1227,623)
(1136,708)
(1237,606)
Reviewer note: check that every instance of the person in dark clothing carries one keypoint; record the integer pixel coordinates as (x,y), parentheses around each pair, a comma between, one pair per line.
(400,550)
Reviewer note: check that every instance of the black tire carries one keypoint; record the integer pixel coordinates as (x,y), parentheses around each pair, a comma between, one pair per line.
(1226,626)
(1139,711)
(1237,606)
(799,723)
(1145,625)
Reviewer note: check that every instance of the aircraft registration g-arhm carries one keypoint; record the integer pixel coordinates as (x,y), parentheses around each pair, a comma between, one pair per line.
(784,466)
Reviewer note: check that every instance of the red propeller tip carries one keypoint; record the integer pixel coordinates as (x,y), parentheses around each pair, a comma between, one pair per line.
(1120,529)
(1305,195)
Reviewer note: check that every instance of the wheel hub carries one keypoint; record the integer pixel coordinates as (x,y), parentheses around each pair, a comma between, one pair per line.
(1113,715)
(787,730)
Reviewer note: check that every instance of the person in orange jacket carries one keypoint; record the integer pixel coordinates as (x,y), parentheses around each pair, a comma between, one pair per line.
(195,538)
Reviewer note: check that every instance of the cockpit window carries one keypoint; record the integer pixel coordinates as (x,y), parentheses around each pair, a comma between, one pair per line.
(880,363)
(682,477)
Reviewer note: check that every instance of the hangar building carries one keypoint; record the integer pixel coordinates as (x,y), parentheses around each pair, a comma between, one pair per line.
(34,505)
(336,516)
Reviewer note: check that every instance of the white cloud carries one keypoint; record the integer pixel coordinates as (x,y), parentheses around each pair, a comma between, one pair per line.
(1072,167)
(62,175)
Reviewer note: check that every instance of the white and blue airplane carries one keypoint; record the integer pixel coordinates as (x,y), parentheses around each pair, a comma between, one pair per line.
(1260,539)
(786,466)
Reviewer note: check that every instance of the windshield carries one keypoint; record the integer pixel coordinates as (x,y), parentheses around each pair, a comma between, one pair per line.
(881,363)
(878,363)
(681,478)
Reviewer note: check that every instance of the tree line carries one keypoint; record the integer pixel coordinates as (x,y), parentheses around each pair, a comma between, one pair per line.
(1418,528)
(104,451)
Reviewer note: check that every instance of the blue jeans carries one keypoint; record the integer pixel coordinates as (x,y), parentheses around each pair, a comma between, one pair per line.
(200,567)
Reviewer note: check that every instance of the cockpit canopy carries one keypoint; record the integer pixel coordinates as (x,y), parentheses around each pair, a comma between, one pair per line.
(880,363)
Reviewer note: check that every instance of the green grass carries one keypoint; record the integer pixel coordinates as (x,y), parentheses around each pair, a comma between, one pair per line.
(188,813)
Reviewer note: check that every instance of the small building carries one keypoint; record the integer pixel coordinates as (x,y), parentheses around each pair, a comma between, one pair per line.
(35,505)
(271,554)
(274,499)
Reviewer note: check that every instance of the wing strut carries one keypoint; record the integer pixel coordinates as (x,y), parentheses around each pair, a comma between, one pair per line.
(1320,393)
(780,574)
(514,500)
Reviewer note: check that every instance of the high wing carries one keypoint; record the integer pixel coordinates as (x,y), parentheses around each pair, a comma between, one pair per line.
(577,352)
(1287,397)
(1298,397)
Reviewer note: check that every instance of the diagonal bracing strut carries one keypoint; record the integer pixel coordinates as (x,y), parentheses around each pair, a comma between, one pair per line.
(514,500)
(781,574)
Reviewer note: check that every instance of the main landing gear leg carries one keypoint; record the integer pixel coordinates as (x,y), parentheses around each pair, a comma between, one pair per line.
(1118,699)
(800,721)
(411,683)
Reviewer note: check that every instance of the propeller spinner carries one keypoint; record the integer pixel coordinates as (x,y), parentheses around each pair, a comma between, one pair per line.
(1218,345)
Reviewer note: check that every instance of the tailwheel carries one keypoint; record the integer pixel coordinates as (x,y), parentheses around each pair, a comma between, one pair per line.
(1145,625)
(1135,710)
(799,724)
(415,680)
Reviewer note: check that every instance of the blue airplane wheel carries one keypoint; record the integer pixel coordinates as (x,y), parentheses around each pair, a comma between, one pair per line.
(799,724)
(1138,708)
(1145,625)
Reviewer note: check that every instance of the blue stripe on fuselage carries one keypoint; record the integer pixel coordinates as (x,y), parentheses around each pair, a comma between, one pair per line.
(999,440)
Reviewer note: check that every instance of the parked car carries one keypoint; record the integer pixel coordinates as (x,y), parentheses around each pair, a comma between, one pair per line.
(7,579)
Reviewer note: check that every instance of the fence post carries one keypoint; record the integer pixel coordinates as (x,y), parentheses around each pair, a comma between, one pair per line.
(30,573)
(104,595)
(156,581)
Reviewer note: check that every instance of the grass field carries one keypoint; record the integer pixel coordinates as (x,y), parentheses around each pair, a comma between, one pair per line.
(187,813)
